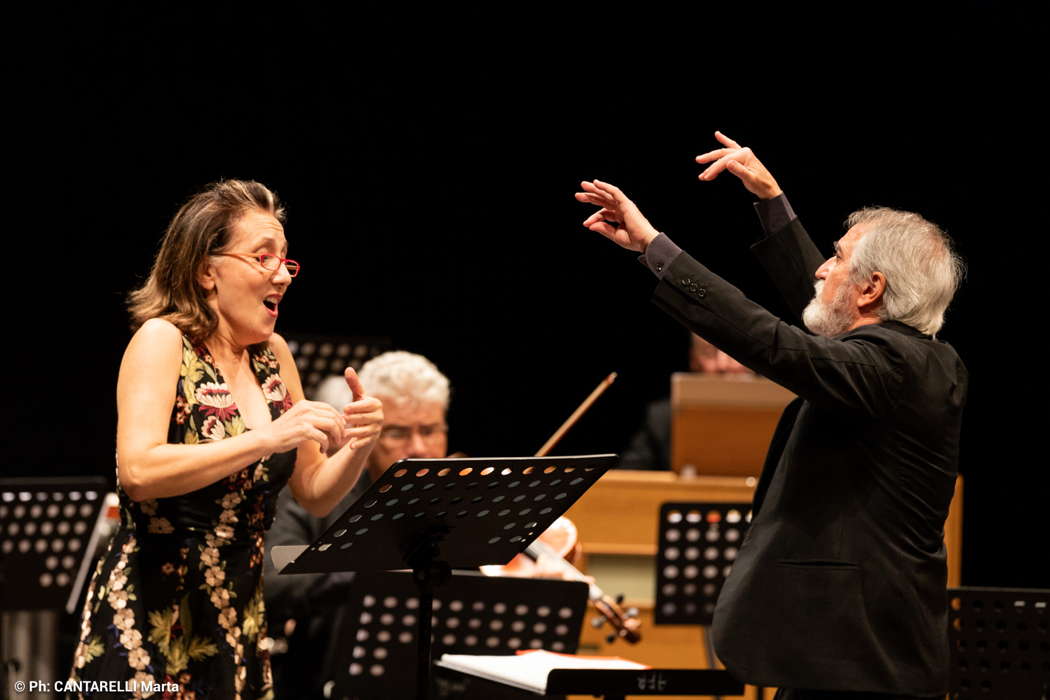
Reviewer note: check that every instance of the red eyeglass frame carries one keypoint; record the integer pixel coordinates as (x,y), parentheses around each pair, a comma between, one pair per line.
(254,257)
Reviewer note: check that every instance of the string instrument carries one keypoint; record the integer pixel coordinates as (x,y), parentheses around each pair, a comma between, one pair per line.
(559,542)
(558,546)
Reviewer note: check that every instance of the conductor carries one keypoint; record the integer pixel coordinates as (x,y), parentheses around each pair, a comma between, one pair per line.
(840,586)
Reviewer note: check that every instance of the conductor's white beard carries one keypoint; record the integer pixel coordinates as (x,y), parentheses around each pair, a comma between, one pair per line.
(831,319)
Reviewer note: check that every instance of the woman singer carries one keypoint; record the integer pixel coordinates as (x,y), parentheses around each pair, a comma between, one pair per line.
(212,423)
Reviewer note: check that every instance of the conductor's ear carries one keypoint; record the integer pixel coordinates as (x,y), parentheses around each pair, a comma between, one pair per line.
(871,292)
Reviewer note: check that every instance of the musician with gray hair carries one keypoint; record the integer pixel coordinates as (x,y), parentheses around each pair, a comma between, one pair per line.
(906,248)
(415,396)
(839,589)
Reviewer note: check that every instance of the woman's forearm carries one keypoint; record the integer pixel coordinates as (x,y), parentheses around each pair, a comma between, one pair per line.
(320,488)
(167,470)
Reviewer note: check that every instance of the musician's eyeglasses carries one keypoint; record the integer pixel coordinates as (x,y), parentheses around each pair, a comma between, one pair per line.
(395,435)
(267,261)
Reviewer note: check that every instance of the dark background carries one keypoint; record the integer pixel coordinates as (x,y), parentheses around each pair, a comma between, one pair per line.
(428,158)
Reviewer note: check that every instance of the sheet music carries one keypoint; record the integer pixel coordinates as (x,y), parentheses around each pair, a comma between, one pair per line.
(529,670)
(284,554)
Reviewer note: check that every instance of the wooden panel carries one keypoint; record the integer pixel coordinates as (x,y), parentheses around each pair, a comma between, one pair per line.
(738,438)
(618,515)
(722,424)
(953,536)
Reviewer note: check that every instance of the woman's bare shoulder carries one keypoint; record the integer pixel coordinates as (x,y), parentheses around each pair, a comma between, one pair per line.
(289,372)
(156,337)
(279,345)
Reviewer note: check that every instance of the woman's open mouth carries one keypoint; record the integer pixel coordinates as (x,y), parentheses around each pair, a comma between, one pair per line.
(271,304)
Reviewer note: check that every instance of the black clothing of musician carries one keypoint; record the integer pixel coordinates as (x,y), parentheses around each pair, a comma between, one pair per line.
(841,581)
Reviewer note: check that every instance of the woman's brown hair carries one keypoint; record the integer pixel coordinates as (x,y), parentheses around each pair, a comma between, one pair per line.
(200,228)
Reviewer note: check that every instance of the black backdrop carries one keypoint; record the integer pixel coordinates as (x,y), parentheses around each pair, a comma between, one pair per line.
(428,157)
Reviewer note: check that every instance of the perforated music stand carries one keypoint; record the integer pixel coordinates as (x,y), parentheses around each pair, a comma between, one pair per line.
(697,545)
(472,614)
(46,530)
(1000,642)
(48,527)
(321,356)
(434,515)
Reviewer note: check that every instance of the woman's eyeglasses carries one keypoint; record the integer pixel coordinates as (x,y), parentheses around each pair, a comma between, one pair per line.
(267,261)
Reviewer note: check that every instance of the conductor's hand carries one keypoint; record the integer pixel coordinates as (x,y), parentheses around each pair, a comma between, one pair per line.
(363,415)
(307,420)
(742,163)
(617,218)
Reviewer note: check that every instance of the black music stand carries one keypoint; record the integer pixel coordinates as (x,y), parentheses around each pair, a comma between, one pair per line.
(697,545)
(48,529)
(320,356)
(435,515)
(473,614)
(1000,643)
(618,684)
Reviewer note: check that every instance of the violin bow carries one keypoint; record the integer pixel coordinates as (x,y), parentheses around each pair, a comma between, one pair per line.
(625,624)
(580,410)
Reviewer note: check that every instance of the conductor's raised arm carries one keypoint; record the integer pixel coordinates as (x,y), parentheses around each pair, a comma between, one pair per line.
(617,218)
(742,162)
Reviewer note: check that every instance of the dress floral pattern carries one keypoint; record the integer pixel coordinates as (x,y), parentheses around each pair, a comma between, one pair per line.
(177,597)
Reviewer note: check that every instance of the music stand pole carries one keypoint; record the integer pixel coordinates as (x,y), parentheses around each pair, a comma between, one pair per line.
(427,572)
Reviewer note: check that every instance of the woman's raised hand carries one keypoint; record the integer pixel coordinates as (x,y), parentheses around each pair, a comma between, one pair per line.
(308,420)
(363,415)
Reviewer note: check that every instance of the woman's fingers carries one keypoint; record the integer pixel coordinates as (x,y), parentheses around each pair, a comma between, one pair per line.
(354,383)
(319,437)
(361,419)
(326,419)
(360,431)
(368,404)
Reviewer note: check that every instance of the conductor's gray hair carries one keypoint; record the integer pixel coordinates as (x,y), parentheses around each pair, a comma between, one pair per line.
(405,378)
(916,257)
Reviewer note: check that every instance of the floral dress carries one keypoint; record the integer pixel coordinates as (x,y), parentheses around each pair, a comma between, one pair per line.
(177,599)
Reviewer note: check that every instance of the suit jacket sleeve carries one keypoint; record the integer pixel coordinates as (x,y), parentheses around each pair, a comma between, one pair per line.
(790,259)
(858,371)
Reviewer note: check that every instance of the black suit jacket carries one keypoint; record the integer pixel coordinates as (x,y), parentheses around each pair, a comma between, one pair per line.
(840,583)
